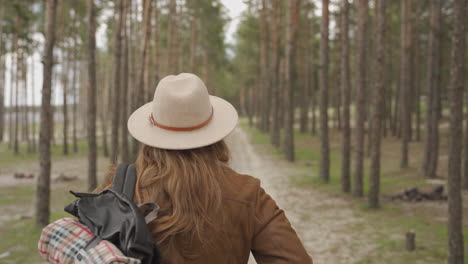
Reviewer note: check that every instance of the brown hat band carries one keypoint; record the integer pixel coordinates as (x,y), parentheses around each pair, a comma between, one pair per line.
(154,123)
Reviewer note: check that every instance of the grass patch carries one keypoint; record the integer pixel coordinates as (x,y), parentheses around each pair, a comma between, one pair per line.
(7,155)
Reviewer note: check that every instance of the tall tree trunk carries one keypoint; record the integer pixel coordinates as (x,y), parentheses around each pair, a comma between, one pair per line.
(171,58)
(26,106)
(91,113)
(455,202)
(346,96)
(33,108)
(117,87)
(405,80)
(378,105)
(106,100)
(193,43)
(291,36)
(124,102)
(324,142)
(358,190)
(431,142)
(156,66)
(75,90)
(10,108)
(17,112)
(65,73)
(305,96)
(138,93)
(42,212)
(2,87)
(274,72)
(314,100)
(264,86)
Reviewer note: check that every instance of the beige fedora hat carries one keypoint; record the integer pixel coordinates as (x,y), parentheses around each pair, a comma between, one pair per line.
(182,115)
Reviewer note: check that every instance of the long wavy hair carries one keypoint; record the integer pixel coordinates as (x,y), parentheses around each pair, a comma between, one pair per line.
(187,186)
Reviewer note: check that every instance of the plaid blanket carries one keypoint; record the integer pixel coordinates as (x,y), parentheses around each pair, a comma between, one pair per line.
(62,240)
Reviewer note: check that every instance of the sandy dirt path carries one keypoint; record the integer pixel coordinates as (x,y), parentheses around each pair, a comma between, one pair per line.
(323,222)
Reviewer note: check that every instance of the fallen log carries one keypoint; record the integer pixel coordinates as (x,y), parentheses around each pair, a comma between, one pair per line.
(416,195)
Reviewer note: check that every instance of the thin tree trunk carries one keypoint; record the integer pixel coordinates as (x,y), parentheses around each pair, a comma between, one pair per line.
(274,72)
(293,26)
(405,80)
(104,120)
(314,101)
(2,88)
(42,212)
(171,65)
(33,110)
(305,96)
(124,101)
(139,91)
(455,202)
(431,144)
(346,96)
(358,190)
(91,113)
(117,87)
(193,43)
(378,105)
(17,112)
(75,90)
(10,108)
(26,106)
(264,86)
(156,49)
(66,70)
(324,142)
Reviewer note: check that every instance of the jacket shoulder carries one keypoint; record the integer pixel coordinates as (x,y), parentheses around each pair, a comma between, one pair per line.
(238,187)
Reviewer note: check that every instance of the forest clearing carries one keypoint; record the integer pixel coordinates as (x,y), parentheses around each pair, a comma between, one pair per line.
(352,113)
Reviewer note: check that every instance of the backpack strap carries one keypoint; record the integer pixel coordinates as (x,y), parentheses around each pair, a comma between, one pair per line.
(125,180)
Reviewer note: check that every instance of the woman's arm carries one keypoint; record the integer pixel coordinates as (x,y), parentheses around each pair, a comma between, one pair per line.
(275,241)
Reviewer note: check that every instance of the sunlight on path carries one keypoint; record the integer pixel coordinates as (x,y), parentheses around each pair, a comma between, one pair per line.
(324,223)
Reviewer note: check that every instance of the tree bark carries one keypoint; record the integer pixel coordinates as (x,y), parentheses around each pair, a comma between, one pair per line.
(75,89)
(193,43)
(324,143)
(346,96)
(431,142)
(124,102)
(457,82)
(42,212)
(378,105)
(2,88)
(264,85)
(293,26)
(358,189)
(66,66)
(17,113)
(171,31)
(139,91)
(405,80)
(274,72)
(117,87)
(91,111)
(306,76)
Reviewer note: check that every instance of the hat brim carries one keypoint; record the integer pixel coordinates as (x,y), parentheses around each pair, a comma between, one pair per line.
(222,124)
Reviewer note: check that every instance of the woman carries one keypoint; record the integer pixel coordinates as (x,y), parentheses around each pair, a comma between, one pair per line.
(209,213)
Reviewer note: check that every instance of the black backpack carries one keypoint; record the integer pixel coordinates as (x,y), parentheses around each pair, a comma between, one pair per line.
(113,216)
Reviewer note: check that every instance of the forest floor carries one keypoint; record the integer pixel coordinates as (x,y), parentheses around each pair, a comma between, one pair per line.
(337,228)
(334,227)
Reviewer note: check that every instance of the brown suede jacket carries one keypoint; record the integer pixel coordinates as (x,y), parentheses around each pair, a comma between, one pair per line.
(255,224)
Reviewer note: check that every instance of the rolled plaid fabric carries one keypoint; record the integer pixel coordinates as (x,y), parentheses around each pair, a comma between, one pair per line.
(62,240)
